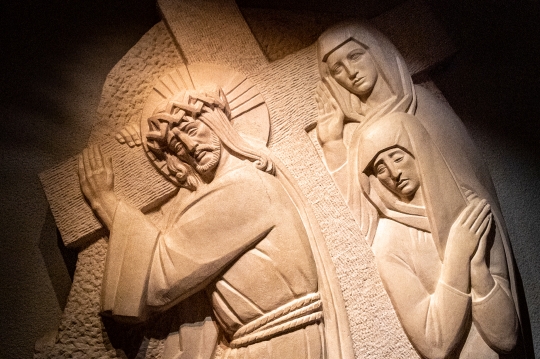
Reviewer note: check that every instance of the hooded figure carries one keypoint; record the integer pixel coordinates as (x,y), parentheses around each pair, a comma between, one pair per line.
(426,258)
(391,90)
(349,54)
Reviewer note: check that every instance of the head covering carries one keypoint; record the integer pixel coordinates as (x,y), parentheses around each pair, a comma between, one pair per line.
(442,195)
(391,67)
(389,63)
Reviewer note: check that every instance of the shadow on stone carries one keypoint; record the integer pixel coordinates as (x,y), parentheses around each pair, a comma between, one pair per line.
(59,260)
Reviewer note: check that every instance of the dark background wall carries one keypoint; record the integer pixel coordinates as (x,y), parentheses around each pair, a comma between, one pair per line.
(55,55)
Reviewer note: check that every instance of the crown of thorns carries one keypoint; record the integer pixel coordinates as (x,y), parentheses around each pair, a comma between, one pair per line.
(163,126)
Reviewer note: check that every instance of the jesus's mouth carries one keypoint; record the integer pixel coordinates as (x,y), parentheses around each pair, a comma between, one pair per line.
(199,155)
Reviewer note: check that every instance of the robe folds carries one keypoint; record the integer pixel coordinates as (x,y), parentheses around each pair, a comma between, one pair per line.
(432,313)
(441,127)
(410,247)
(242,239)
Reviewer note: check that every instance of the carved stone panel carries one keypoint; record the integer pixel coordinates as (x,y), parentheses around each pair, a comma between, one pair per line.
(297,208)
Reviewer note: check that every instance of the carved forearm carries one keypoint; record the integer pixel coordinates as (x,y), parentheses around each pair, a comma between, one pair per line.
(335,154)
(445,314)
(435,323)
(105,208)
(495,317)
(129,255)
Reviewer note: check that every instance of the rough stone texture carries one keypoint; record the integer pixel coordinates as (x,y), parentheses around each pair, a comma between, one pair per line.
(325,215)
(279,34)
(212,31)
(81,332)
(132,78)
(288,87)
(368,306)
(137,182)
(492,83)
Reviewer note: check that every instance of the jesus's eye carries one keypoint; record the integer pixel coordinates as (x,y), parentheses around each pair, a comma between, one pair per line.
(190,129)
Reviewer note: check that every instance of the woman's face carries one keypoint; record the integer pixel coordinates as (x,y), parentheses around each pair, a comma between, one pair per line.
(353,68)
(396,170)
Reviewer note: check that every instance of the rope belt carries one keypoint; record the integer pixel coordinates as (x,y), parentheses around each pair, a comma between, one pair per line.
(291,316)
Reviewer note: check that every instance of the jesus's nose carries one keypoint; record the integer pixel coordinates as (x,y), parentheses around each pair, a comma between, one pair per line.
(188,142)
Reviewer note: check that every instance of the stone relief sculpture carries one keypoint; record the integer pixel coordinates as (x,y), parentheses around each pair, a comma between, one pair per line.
(438,247)
(363,78)
(228,246)
(438,279)
(237,229)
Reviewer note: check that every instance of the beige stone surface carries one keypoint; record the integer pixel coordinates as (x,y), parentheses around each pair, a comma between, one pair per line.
(277,38)
(212,31)
(133,77)
(423,44)
(236,228)
(352,257)
(137,182)
(81,327)
(354,260)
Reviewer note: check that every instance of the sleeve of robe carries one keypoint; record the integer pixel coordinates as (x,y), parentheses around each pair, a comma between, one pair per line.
(131,245)
(146,268)
(210,234)
(495,315)
(435,322)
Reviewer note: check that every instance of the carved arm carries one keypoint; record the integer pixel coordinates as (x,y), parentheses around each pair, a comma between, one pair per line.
(330,129)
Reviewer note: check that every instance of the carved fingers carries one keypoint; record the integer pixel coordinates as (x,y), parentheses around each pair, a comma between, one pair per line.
(96,178)
(476,220)
(471,196)
(472,224)
(482,281)
(130,135)
(330,117)
(484,229)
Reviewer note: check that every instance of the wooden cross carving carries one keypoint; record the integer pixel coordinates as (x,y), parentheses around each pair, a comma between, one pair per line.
(214,31)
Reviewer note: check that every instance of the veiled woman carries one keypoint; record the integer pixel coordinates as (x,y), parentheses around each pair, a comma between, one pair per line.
(363,79)
(437,247)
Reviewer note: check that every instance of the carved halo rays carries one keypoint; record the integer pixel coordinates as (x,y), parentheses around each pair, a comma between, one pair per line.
(248,109)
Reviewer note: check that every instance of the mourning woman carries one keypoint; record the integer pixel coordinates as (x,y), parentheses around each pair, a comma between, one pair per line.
(363,80)
(437,247)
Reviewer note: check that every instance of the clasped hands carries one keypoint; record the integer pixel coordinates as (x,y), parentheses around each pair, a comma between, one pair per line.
(468,243)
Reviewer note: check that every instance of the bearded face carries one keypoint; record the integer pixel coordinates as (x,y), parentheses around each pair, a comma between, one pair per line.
(198,146)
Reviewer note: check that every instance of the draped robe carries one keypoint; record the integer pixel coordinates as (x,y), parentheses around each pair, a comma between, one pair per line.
(240,238)
(443,126)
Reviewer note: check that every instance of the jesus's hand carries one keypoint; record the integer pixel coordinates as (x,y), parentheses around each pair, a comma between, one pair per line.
(97,183)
